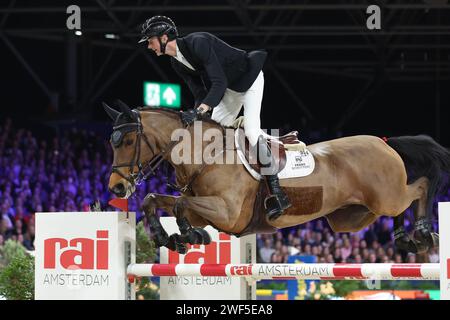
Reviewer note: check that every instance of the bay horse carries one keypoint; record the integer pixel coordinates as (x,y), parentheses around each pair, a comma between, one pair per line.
(360,178)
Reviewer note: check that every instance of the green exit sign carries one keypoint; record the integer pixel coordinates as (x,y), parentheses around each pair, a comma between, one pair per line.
(162,94)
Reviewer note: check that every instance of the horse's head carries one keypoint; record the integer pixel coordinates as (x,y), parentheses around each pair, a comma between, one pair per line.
(127,143)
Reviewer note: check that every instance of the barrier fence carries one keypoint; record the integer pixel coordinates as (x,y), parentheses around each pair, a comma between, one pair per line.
(91,256)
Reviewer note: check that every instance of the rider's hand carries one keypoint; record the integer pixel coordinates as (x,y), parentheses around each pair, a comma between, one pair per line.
(203,108)
(188,117)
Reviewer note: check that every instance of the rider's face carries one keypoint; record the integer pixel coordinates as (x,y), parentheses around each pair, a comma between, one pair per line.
(153,44)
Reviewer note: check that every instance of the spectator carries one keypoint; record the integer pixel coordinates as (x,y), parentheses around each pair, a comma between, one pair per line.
(315,251)
(267,251)
(307,250)
(365,254)
(346,250)
(6,229)
(353,255)
(370,235)
(338,256)
(433,255)
(363,244)
(18,228)
(390,253)
(373,258)
(411,258)
(276,258)
(384,235)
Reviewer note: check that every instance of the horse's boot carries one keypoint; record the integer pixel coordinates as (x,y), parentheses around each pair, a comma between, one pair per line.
(277,201)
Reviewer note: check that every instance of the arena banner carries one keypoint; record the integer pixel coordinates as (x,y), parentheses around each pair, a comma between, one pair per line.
(83,255)
(444,248)
(223,249)
(298,288)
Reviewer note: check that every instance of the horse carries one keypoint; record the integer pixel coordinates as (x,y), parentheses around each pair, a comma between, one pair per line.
(360,178)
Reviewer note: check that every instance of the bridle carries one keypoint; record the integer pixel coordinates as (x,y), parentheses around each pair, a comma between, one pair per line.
(149,168)
(144,170)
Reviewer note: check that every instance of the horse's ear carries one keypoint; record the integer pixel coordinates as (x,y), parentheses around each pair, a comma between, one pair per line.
(125,109)
(113,114)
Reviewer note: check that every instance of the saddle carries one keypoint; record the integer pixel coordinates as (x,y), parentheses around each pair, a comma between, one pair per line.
(277,145)
(289,141)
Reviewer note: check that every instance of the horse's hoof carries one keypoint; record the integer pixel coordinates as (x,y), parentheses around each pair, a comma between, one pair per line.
(196,236)
(161,239)
(203,235)
(421,247)
(430,241)
(405,243)
(172,244)
(181,248)
(435,239)
(425,239)
(176,244)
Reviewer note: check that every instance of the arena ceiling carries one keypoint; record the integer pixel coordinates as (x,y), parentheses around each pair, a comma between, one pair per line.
(316,38)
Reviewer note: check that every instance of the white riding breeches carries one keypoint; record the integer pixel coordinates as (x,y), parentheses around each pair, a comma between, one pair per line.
(229,107)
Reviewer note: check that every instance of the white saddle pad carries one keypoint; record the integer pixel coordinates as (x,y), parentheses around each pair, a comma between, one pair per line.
(298,163)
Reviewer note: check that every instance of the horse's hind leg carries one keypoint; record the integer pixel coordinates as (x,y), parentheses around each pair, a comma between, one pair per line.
(423,234)
(423,237)
(402,240)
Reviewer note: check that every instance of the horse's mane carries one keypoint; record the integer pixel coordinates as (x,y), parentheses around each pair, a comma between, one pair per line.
(177,115)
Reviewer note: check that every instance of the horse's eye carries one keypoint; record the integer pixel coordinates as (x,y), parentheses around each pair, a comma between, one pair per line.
(129,142)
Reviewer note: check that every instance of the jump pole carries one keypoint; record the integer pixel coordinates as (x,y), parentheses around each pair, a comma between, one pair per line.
(310,271)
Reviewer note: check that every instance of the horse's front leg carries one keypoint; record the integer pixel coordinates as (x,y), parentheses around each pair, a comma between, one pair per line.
(150,204)
(173,205)
(189,234)
(210,208)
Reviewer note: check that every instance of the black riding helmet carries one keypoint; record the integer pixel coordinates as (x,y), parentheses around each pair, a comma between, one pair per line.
(158,26)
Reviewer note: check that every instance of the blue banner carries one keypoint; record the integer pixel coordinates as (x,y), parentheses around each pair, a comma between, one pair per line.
(298,288)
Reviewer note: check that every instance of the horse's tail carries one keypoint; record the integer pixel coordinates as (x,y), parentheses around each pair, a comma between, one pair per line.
(423,156)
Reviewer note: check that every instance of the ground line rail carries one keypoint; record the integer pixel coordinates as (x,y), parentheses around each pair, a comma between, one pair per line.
(306,271)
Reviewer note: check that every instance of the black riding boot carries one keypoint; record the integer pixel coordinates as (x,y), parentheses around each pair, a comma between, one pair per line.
(277,201)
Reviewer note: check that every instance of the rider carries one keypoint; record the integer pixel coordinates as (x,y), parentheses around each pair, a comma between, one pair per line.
(222,79)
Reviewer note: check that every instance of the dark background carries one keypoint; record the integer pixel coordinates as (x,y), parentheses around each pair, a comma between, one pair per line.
(326,71)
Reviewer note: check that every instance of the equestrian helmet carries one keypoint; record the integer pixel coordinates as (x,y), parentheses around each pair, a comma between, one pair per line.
(158,26)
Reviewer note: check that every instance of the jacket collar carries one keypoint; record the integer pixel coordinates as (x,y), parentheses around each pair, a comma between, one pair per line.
(181,44)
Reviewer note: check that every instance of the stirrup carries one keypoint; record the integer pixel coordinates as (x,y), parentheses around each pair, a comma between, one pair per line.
(274,208)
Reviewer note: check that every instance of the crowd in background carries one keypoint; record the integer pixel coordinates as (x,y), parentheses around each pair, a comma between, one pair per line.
(70,172)
(371,245)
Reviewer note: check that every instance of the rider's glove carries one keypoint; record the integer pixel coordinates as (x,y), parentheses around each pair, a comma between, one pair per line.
(188,117)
